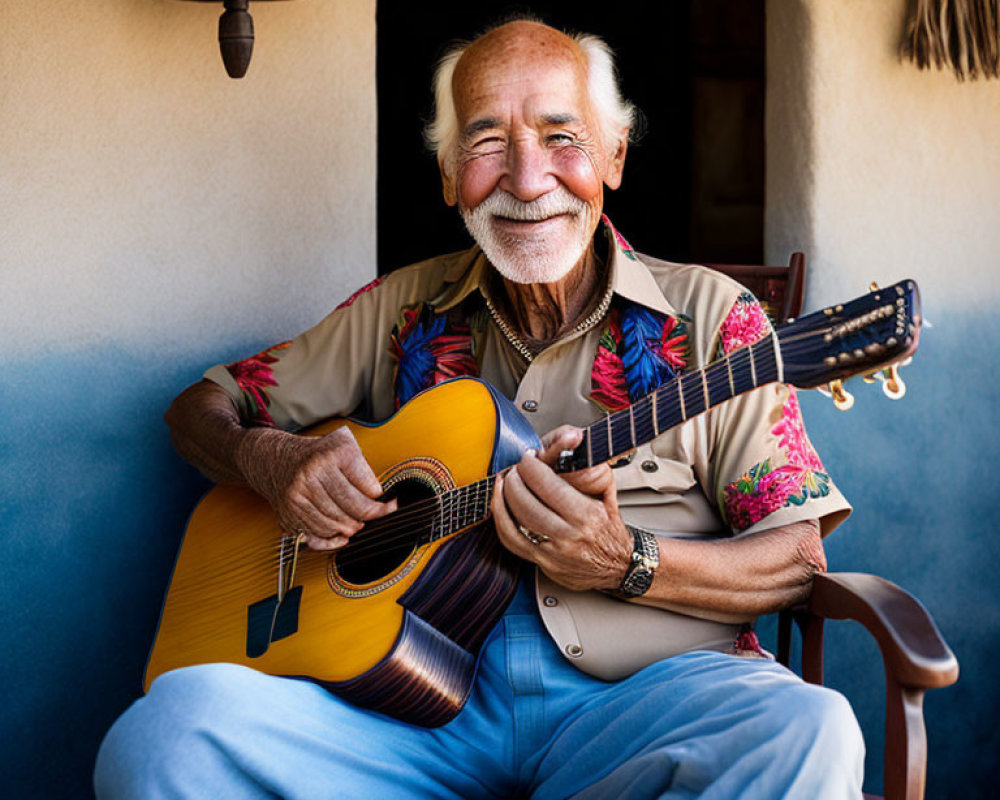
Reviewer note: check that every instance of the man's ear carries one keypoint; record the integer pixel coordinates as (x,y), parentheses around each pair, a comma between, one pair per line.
(447,184)
(616,164)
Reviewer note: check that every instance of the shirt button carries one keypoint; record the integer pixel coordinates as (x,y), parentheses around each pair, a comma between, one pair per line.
(550,601)
(574,650)
(650,466)
(530,405)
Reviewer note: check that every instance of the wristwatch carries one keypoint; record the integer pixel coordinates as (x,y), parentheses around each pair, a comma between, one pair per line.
(645,559)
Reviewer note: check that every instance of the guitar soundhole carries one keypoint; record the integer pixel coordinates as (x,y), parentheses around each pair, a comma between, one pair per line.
(368,559)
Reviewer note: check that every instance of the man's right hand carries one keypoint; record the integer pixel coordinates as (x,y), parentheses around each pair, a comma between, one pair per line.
(320,487)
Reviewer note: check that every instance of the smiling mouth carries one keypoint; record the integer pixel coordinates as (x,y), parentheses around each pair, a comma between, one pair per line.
(528,222)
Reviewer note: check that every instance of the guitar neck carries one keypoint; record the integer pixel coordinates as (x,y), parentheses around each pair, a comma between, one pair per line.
(675,402)
(670,405)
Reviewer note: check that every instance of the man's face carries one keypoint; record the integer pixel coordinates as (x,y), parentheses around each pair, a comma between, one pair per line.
(531,164)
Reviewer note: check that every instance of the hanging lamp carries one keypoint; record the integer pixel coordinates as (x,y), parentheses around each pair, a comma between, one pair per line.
(235,35)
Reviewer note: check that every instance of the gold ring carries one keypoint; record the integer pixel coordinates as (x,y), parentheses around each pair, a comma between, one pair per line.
(531,536)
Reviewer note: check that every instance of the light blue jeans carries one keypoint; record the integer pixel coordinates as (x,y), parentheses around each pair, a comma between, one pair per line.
(703,724)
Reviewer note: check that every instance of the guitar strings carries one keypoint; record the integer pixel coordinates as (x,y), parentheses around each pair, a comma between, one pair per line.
(414,518)
(739,359)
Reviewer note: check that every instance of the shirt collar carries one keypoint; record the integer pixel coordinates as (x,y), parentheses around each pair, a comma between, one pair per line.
(630,278)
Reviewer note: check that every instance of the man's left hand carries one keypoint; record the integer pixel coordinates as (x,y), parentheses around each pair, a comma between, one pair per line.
(582,542)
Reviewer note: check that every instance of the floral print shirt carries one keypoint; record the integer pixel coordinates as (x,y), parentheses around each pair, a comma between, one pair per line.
(745,465)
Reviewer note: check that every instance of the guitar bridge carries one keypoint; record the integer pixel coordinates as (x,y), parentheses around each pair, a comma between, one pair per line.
(270,620)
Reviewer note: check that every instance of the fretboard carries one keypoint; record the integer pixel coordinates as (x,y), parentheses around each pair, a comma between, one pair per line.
(461,507)
(678,400)
(671,404)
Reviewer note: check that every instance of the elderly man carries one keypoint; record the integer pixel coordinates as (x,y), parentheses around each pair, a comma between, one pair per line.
(620,669)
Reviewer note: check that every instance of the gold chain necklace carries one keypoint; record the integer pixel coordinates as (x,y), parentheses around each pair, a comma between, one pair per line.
(523,350)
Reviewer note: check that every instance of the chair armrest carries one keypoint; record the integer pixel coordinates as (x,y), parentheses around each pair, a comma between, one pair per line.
(914,651)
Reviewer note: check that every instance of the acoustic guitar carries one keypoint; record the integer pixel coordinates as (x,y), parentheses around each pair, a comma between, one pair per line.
(394,620)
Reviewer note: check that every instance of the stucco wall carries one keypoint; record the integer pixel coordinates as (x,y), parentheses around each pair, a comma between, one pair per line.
(147,197)
(155,217)
(879,171)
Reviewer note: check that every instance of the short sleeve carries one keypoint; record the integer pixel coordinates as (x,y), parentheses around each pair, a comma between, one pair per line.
(762,470)
(326,371)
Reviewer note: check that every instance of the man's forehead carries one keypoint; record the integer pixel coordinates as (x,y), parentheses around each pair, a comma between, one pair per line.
(518,53)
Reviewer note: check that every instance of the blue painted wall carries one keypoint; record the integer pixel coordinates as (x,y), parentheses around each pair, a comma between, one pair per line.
(919,473)
(93,502)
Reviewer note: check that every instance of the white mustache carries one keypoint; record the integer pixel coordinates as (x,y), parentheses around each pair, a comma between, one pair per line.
(501,203)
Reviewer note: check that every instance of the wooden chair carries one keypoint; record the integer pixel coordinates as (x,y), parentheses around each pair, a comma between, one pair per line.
(780,290)
(915,654)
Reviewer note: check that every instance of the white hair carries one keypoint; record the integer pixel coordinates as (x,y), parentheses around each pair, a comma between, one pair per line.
(614,113)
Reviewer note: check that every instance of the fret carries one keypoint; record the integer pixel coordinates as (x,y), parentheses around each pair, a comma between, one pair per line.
(600,448)
(631,423)
(656,422)
(694,400)
(779,362)
(680,394)
(753,368)
(719,388)
(621,440)
(590,447)
(771,369)
(704,389)
(729,370)
(644,420)
(437,524)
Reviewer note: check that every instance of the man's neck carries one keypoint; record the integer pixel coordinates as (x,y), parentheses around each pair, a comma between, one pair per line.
(544,312)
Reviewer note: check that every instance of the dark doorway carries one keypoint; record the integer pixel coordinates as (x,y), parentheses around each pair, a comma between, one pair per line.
(694,183)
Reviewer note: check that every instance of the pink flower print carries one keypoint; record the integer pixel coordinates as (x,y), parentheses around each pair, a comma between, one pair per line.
(618,239)
(366,288)
(745,324)
(254,375)
(792,438)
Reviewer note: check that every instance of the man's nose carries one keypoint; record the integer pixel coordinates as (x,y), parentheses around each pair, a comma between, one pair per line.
(529,170)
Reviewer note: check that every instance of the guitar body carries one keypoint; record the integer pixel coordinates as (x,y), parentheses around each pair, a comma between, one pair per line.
(393,622)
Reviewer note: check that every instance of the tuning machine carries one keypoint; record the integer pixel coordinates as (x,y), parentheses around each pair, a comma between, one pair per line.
(842,398)
(892,385)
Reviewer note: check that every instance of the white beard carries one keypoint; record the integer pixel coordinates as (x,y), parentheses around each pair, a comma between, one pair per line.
(526,258)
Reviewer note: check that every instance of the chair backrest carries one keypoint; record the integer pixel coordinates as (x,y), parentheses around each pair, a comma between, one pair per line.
(780,290)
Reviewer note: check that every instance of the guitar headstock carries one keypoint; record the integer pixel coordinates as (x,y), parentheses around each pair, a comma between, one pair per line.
(871,333)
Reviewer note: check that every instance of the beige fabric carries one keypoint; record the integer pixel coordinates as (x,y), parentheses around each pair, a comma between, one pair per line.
(344,366)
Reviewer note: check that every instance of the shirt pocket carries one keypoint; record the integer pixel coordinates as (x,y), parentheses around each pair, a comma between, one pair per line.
(649,469)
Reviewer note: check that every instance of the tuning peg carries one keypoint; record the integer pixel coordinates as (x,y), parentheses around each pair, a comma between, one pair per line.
(869,378)
(893,385)
(842,398)
(873,287)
